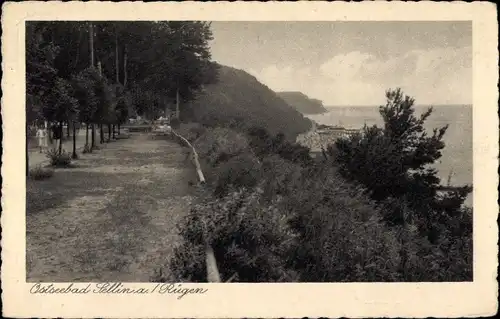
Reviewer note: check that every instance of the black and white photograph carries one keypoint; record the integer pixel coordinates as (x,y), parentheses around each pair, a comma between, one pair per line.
(193,151)
(350,160)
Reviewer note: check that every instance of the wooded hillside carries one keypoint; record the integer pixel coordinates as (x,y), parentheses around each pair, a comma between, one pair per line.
(240,97)
(302,102)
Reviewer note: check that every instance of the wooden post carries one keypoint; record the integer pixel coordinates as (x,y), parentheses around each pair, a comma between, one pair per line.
(212,270)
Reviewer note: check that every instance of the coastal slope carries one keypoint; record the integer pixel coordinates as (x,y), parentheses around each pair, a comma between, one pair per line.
(303,103)
(240,97)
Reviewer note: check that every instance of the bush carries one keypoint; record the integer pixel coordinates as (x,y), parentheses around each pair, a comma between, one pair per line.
(87,149)
(57,159)
(306,222)
(450,260)
(175,123)
(342,235)
(239,171)
(263,144)
(249,240)
(277,175)
(191,131)
(220,144)
(39,173)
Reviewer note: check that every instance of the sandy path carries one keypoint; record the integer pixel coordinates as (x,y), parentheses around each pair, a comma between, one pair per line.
(113,217)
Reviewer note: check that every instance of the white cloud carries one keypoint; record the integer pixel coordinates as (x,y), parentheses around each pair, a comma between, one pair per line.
(439,76)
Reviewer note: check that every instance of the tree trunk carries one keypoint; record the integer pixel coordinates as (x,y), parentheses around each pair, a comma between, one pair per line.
(114,135)
(74,141)
(165,103)
(125,68)
(67,130)
(177,102)
(116,59)
(109,132)
(118,128)
(87,134)
(49,133)
(60,137)
(27,156)
(101,134)
(93,136)
(78,46)
(91,39)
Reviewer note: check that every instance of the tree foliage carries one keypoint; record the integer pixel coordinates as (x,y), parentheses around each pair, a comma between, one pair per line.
(395,162)
(157,59)
(61,105)
(85,91)
(40,71)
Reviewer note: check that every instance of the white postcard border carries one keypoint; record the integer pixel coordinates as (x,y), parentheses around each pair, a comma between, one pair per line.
(258,300)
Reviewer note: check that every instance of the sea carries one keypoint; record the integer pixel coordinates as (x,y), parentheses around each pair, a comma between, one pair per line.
(456,160)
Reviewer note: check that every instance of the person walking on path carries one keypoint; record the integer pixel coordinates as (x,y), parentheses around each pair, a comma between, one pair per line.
(56,135)
(41,135)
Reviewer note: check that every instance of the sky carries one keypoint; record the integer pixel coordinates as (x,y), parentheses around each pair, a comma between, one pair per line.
(355,62)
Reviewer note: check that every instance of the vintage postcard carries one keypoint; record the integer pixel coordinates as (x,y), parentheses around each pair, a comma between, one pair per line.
(249,160)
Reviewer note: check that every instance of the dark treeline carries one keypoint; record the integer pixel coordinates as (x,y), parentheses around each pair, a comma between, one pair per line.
(101,73)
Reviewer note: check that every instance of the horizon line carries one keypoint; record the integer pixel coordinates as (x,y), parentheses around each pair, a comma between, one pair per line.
(377,105)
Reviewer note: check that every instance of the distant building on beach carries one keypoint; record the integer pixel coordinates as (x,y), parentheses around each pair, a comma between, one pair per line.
(322,135)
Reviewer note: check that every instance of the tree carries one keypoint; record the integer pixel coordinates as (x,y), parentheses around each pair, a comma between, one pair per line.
(62,106)
(40,74)
(181,59)
(104,110)
(40,71)
(84,85)
(394,162)
(121,109)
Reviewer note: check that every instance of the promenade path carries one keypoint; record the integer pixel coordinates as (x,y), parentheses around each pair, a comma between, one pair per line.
(111,218)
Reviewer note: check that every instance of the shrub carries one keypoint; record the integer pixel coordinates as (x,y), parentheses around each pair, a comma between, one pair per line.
(263,144)
(87,149)
(39,173)
(57,159)
(191,131)
(187,264)
(175,123)
(239,171)
(450,260)
(342,235)
(249,240)
(347,237)
(220,144)
(277,175)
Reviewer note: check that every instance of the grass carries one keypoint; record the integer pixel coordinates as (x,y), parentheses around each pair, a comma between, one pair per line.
(39,173)
(112,218)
